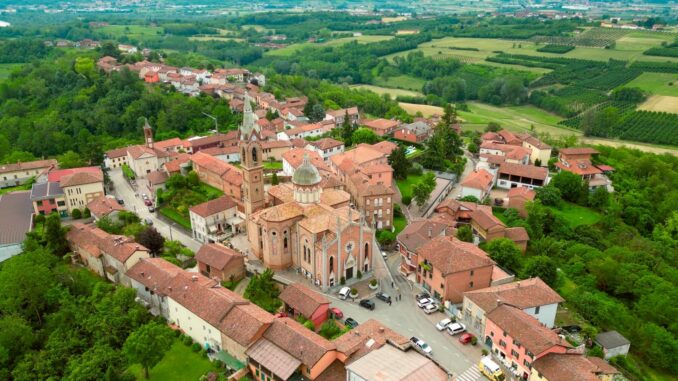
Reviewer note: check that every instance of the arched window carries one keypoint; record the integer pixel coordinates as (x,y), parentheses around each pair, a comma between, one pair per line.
(254,154)
(331,264)
(367,250)
(285,242)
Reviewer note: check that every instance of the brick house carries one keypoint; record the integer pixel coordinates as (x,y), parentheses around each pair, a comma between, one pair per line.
(519,339)
(449,267)
(382,127)
(301,300)
(571,366)
(218,174)
(416,234)
(518,197)
(417,132)
(217,261)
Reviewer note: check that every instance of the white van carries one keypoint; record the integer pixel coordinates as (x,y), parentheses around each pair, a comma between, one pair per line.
(344,292)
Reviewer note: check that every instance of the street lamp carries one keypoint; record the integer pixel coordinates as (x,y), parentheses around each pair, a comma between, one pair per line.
(216,128)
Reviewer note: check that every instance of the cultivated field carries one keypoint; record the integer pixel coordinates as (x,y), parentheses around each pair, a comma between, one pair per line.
(294,48)
(425,110)
(387,90)
(661,103)
(214,38)
(402,82)
(132,31)
(657,83)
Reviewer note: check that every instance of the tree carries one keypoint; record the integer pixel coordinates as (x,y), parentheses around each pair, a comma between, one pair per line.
(274,179)
(70,159)
(55,235)
(76,214)
(263,291)
(493,127)
(100,362)
(84,66)
(599,198)
(570,185)
(317,113)
(421,191)
(147,345)
(364,135)
(398,161)
(16,336)
(347,129)
(542,267)
(152,240)
(24,295)
(473,148)
(464,233)
(548,195)
(329,329)
(109,49)
(505,252)
(86,213)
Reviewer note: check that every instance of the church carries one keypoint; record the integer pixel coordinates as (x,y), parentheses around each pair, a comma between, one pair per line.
(303,225)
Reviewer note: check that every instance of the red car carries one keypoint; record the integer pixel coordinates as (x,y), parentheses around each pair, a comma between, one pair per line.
(466,338)
(148,202)
(336,313)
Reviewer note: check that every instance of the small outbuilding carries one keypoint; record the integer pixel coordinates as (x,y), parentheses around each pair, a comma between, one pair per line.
(301,300)
(217,261)
(613,344)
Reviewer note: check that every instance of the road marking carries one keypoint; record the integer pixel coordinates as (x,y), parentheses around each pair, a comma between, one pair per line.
(470,374)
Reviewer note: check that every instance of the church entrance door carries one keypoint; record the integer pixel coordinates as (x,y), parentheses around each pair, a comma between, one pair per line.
(349,273)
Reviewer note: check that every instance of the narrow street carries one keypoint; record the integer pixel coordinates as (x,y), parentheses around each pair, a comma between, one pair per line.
(123,189)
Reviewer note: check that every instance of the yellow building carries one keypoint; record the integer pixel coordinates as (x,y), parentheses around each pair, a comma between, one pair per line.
(82,187)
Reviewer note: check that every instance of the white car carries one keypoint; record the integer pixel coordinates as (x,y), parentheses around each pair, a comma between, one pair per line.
(424,302)
(456,328)
(383,254)
(430,308)
(422,345)
(443,324)
(344,292)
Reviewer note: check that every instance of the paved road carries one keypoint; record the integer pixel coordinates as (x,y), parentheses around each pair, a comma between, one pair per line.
(123,190)
(407,319)
(468,168)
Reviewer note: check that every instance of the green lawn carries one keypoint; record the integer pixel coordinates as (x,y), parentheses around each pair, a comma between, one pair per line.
(518,118)
(7,69)
(175,216)
(388,90)
(576,215)
(179,363)
(656,83)
(405,185)
(276,165)
(399,223)
(23,187)
(405,82)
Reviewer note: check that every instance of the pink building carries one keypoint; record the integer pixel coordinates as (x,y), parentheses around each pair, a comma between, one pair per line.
(519,339)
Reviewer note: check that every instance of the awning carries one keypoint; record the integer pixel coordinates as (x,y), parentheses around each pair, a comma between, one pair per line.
(273,358)
(229,360)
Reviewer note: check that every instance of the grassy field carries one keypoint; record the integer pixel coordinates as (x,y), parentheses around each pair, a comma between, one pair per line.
(292,49)
(387,90)
(7,69)
(401,82)
(405,186)
(663,103)
(275,165)
(132,31)
(518,118)
(425,110)
(215,38)
(399,223)
(576,215)
(179,363)
(175,216)
(656,83)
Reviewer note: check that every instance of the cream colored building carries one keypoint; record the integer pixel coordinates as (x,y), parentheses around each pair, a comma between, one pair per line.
(81,188)
(19,173)
(538,150)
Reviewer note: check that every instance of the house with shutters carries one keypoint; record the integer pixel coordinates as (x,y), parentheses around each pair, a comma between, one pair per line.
(219,262)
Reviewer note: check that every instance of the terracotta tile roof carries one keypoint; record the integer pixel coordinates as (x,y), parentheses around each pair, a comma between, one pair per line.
(58,174)
(295,157)
(326,143)
(244,323)
(508,136)
(578,151)
(535,142)
(334,197)
(16,210)
(343,111)
(517,234)
(140,150)
(490,136)
(215,206)
(174,166)
(579,167)
(276,144)
(215,151)
(119,247)
(211,163)
(353,343)
(102,206)
(522,192)
(280,212)
(484,217)
(522,327)
(384,147)
(334,372)
(169,143)
(392,364)
(273,358)
(450,255)
(572,366)
(376,168)
(115,153)
(381,124)
(360,155)
(5,168)
(154,273)
(527,171)
(493,159)
(216,255)
(81,178)
(203,297)
(299,143)
(480,179)
(297,340)
(303,299)
(156,177)
(523,294)
(416,233)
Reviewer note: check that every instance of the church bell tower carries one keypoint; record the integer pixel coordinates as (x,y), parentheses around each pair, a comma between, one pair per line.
(251,160)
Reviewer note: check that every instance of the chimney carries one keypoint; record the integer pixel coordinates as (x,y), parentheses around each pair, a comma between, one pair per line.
(381,329)
(194,278)
(518,284)
(430,231)
(499,302)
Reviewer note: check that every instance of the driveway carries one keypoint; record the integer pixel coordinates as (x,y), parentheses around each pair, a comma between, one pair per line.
(123,189)
(409,320)
(468,168)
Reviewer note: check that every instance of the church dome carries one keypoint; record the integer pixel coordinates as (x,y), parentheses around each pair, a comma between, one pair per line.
(306,174)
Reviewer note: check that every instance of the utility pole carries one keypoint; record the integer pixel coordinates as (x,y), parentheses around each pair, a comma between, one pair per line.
(214,118)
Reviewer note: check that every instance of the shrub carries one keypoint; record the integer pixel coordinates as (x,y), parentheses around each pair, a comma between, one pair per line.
(330,329)
(359,275)
(354,291)
(196,347)
(76,214)
(484,352)
(187,340)
(177,333)
(386,237)
(416,169)
(86,213)
(373,282)
(309,324)
(342,281)
(407,200)
(474,340)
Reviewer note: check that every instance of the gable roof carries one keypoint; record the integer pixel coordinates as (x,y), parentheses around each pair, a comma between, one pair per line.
(59,174)
(450,255)
(572,366)
(326,143)
(578,151)
(119,247)
(16,210)
(37,164)
(381,124)
(211,163)
(484,217)
(102,206)
(391,364)
(298,341)
(523,294)
(522,192)
(215,206)
(81,178)
(154,273)
(354,343)
(480,179)
(302,299)
(216,255)
(524,328)
(416,233)
(41,191)
(528,171)
(611,339)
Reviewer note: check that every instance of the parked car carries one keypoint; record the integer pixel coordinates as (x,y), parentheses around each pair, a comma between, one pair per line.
(120,201)
(151,209)
(430,308)
(384,297)
(423,295)
(344,293)
(424,302)
(422,345)
(383,254)
(148,221)
(350,322)
(336,313)
(148,202)
(466,338)
(456,328)
(366,303)
(144,196)
(443,324)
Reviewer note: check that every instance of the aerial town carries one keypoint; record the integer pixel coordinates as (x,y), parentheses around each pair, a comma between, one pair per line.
(306,236)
